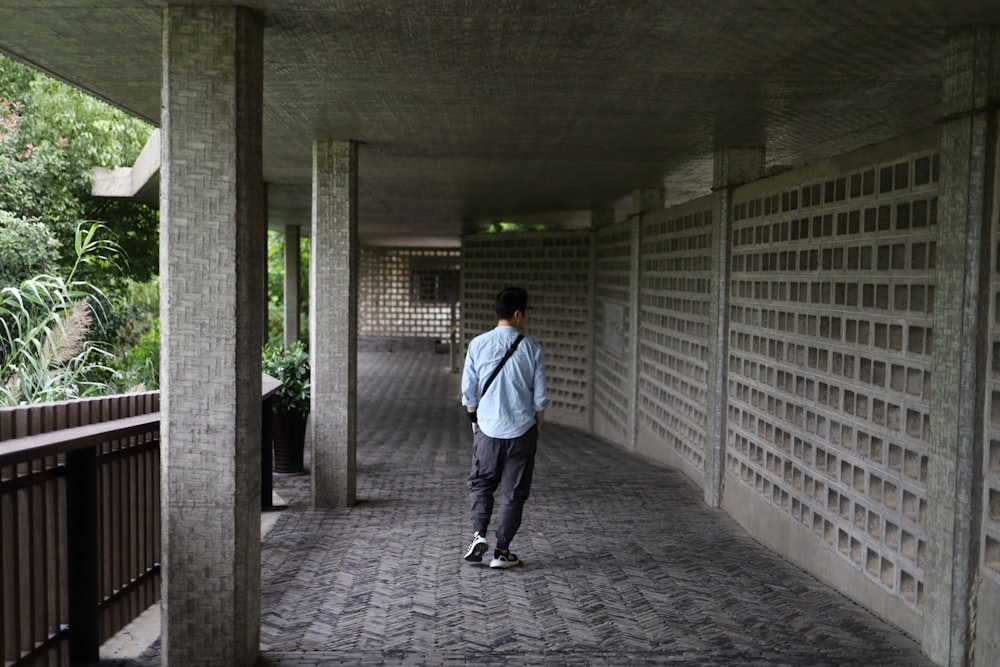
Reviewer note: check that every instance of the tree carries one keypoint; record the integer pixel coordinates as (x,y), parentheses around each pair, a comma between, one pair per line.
(276,285)
(52,134)
(26,249)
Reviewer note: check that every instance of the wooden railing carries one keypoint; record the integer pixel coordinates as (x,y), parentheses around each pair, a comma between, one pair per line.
(80,522)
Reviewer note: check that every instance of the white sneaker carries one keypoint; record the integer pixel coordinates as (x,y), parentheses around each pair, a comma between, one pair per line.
(504,560)
(474,553)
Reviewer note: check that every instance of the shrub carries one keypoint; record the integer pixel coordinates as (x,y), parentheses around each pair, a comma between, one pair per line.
(26,249)
(290,365)
(45,354)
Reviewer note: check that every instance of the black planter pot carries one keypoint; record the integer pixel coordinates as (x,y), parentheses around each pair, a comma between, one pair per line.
(289,437)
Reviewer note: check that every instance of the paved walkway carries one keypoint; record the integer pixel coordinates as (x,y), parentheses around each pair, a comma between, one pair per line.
(623,562)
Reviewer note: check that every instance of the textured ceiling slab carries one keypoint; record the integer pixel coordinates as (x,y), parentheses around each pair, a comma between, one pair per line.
(470,112)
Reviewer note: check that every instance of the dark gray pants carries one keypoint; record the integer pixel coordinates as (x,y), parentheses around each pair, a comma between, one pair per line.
(508,464)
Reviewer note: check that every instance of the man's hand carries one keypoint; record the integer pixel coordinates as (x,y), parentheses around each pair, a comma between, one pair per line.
(473,418)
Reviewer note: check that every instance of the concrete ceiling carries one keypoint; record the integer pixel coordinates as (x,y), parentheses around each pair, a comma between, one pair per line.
(470,111)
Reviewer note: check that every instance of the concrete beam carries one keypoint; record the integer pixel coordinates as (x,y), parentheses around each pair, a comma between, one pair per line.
(141,181)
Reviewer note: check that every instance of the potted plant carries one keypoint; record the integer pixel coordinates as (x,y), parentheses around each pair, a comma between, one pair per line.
(289,404)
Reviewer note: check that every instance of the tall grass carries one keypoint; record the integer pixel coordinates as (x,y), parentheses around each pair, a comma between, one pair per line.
(45,354)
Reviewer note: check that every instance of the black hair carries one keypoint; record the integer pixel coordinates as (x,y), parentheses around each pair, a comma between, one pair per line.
(509,300)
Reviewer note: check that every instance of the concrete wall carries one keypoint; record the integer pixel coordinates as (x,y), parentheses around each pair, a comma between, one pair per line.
(408,292)
(674,300)
(831,323)
(555,269)
(613,314)
(829,350)
(987,617)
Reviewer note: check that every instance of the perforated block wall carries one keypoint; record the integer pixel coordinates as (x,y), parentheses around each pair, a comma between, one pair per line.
(555,269)
(612,320)
(990,561)
(408,292)
(673,327)
(831,306)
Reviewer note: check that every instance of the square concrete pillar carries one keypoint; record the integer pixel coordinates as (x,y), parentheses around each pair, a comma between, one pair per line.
(733,166)
(212,257)
(966,213)
(333,322)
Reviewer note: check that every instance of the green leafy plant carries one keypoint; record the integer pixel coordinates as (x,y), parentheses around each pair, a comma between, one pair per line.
(51,135)
(131,331)
(290,365)
(45,354)
(26,249)
(276,286)
(138,369)
(501,227)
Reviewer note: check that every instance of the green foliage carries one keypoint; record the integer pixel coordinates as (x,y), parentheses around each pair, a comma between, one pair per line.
(50,136)
(26,249)
(132,311)
(276,285)
(139,369)
(500,227)
(24,166)
(44,324)
(131,331)
(15,78)
(290,365)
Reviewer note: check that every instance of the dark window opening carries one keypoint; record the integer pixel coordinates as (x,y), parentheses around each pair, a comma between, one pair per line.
(434,285)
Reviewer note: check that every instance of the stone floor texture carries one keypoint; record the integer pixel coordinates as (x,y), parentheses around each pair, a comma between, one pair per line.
(623,563)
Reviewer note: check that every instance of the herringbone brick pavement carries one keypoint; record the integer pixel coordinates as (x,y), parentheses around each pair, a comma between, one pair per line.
(623,562)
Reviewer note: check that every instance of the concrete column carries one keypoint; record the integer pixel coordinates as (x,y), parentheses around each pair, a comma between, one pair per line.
(961,316)
(733,166)
(212,256)
(645,200)
(598,218)
(333,322)
(293,269)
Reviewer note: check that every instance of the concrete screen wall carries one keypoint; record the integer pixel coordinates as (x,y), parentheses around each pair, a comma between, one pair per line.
(988,643)
(831,323)
(613,316)
(830,304)
(555,269)
(674,303)
(408,292)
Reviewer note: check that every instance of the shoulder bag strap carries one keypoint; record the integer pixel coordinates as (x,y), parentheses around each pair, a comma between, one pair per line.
(503,361)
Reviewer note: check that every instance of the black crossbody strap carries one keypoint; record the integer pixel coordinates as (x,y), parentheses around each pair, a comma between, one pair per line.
(503,361)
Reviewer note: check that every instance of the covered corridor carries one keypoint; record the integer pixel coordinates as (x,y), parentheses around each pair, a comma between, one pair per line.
(769,262)
(624,564)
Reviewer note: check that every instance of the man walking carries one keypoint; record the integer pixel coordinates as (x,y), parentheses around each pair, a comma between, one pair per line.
(503,390)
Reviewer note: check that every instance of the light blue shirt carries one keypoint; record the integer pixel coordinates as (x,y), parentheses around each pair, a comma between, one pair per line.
(508,409)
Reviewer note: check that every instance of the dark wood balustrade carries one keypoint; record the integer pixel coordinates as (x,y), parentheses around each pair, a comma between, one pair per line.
(80,523)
